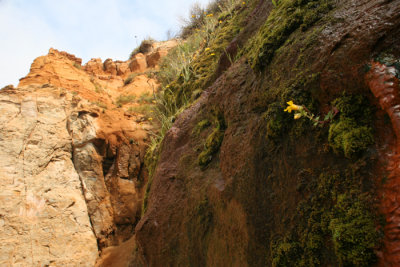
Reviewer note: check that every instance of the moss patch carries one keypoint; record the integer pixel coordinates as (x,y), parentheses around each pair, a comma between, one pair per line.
(283,21)
(351,134)
(334,214)
(213,141)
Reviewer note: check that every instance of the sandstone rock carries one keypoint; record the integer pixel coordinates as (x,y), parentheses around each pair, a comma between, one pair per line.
(44,218)
(110,67)
(94,67)
(138,63)
(154,58)
(122,68)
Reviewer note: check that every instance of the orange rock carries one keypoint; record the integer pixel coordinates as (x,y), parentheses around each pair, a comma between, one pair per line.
(138,63)
(154,58)
(94,66)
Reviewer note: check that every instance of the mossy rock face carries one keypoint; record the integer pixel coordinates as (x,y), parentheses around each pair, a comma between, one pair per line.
(336,212)
(347,137)
(351,134)
(214,139)
(354,233)
(276,121)
(285,19)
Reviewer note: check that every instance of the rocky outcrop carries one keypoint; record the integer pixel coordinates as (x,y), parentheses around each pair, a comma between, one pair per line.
(71,162)
(72,177)
(275,191)
(44,216)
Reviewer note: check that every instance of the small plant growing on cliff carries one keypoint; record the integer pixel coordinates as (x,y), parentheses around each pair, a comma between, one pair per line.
(78,66)
(302,111)
(144,47)
(130,78)
(125,99)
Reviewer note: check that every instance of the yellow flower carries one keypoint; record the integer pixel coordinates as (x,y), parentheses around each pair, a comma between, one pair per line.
(297,116)
(243,3)
(150,119)
(292,107)
(167,86)
(210,15)
(220,21)
(193,16)
(207,49)
(213,54)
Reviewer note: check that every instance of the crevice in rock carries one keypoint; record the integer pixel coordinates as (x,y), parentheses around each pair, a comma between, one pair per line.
(83,190)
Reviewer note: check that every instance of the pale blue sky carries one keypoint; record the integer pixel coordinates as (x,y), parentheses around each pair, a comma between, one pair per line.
(85,28)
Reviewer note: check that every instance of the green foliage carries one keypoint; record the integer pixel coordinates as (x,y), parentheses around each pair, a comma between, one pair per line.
(289,16)
(144,47)
(354,233)
(146,97)
(125,99)
(351,134)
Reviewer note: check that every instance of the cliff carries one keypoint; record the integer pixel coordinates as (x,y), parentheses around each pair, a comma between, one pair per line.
(277,144)
(73,141)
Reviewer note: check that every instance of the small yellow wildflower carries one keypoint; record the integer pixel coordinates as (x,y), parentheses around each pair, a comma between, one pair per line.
(292,107)
(167,86)
(220,21)
(297,116)
(150,119)
(243,3)
(193,16)
(181,75)
(213,54)
(210,15)
(207,49)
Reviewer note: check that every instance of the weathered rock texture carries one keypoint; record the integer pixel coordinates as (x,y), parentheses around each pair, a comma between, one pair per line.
(44,217)
(71,162)
(277,191)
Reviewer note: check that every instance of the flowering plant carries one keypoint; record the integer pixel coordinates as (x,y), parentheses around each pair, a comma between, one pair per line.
(302,111)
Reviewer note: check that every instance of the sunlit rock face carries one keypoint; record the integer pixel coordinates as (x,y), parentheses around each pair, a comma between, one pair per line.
(71,160)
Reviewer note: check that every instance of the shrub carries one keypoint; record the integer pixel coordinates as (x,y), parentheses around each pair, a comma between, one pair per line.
(145,46)
(130,78)
(125,99)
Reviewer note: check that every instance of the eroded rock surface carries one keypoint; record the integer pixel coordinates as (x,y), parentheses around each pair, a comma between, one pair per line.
(71,161)
(44,217)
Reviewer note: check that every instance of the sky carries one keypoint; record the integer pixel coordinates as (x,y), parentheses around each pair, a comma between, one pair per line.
(86,28)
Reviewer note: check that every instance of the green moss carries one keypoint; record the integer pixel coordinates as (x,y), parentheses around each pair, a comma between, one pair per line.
(201,126)
(276,121)
(335,217)
(351,134)
(345,136)
(354,233)
(282,22)
(213,141)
